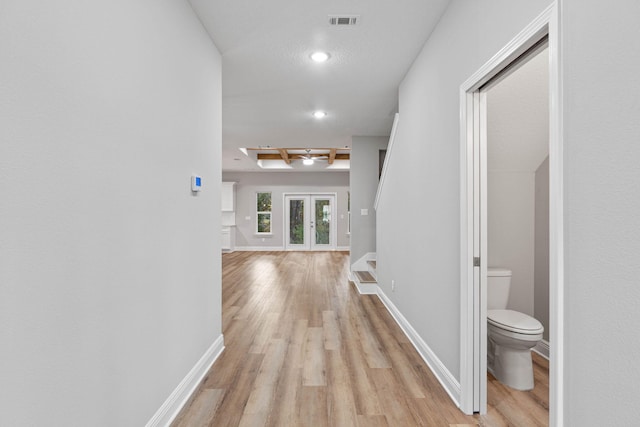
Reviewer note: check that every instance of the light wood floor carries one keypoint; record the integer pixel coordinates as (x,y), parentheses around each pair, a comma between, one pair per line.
(303,348)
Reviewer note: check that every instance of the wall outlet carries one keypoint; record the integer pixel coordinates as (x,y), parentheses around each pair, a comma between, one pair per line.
(393,286)
(263,239)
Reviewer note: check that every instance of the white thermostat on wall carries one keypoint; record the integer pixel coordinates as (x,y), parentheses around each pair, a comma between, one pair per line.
(196,183)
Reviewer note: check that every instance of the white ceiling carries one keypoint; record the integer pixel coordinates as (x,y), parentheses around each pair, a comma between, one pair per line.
(518,118)
(270,86)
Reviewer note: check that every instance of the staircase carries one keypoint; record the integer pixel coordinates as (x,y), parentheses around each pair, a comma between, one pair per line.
(365,281)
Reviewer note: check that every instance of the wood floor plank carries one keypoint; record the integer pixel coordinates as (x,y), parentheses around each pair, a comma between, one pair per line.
(365,395)
(314,368)
(262,394)
(266,332)
(284,411)
(231,407)
(398,356)
(342,408)
(202,409)
(372,421)
(228,315)
(312,407)
(332,337)
(396,404)
(368,339)
(515,406)
(303,348)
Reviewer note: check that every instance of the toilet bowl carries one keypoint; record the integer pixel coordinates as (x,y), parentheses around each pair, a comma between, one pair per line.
(511,335)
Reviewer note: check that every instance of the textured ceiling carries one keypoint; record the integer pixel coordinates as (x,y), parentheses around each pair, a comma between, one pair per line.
(270,86)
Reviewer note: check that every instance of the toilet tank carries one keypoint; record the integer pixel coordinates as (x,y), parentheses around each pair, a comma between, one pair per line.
(498,286)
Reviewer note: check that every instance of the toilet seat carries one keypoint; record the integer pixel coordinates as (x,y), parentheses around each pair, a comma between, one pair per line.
(514,321)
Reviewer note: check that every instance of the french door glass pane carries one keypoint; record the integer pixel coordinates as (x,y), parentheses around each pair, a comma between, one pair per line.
(322,221)
(296,222)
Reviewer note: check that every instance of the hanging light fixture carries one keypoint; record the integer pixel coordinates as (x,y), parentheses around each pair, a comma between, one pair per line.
(307,160)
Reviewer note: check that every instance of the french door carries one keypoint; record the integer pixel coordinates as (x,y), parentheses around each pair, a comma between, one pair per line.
(309,222)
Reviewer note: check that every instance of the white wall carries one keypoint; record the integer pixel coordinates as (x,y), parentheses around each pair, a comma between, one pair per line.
(419,214)
(510,233)
(278,183)
(109,266)
(365,159)
(518,142)
(601,60)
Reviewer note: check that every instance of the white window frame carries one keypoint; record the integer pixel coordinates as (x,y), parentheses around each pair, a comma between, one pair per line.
(258,213)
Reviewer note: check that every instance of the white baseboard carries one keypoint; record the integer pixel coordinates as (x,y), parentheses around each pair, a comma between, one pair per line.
(446,378)
(542,348)
(259,248)
(343,248)
(276,248)
(174,403)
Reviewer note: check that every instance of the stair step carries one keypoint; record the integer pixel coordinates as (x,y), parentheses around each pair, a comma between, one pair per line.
(364,277)
(372,263)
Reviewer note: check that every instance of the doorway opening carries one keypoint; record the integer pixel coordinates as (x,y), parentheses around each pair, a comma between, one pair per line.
(475,217)
(515,201)
(310,222)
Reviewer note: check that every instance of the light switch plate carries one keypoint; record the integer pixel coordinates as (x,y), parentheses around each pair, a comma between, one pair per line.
(196,183)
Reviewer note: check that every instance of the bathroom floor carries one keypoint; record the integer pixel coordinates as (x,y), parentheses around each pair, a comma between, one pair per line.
(507,406)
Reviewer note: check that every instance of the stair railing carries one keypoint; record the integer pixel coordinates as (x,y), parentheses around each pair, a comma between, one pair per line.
(385,166)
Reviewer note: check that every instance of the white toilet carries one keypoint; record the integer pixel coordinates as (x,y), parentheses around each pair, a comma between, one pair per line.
(511,334)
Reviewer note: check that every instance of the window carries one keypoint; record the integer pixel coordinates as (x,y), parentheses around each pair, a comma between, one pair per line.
(263,213)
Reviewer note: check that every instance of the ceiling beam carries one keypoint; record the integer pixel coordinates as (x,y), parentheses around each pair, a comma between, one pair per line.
(332,155)
(285,155)
(273,156)
(293,148)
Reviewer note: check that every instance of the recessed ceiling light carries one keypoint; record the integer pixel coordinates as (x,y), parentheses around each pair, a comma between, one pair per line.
(319,114)
(320,56)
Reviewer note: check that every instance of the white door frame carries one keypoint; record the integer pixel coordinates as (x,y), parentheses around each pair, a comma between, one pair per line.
(309,244)
(473,337)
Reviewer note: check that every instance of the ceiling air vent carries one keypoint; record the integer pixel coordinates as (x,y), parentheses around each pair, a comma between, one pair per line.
(343,20)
